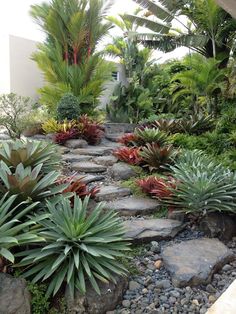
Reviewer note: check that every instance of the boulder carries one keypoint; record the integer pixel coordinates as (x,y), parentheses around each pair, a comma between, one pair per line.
(106,160)
(122,171)
(146,230)
(14,295)
(219,225)
(133,206)
(92,303)
(193,262)
(76,143)
(111,192)
(87,166)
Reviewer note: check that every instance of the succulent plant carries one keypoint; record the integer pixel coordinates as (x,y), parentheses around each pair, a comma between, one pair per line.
(150,135)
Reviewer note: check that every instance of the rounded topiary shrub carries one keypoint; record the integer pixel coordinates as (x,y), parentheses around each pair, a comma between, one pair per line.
(68,107)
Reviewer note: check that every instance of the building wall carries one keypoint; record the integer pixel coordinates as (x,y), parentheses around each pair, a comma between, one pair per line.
(4,65)
(25,77)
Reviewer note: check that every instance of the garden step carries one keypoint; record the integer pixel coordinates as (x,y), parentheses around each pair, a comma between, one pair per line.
(146,230)
(87,166)
(111,192)
(114,137)
(76,158)
(89,178)
(93,151)
(193,262)
(133,206)
(106,160)
(122,171)
(76,143)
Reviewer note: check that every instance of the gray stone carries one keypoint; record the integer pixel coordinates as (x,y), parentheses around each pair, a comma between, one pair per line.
(76,158)
(193,262)
(89,178)
(14,295)
(126,303)
(76,143)
(93,151)
(89,167)
(63,149)
(219,225)
(133,206)
(111,192)
(133,285)
(122,171)
(152,229)
(163,284)
(111,128)
(92,303)
(114,137)
(106,160)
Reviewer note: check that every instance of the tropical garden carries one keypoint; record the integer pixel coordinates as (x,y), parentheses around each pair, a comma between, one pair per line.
(87,190)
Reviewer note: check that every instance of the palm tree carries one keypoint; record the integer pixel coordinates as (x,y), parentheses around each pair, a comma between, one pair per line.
(68,58)
(204,82)
(209,29)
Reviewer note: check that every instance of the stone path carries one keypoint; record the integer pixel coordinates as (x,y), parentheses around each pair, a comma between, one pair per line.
(187,263)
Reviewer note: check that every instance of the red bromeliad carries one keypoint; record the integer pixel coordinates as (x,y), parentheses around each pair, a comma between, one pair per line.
(129,155)
(128,139)
(62,137)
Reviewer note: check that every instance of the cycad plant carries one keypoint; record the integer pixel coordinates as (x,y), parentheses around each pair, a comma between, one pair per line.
(203,185)
(14,232)
(30,153)
(68,59)
(80,247)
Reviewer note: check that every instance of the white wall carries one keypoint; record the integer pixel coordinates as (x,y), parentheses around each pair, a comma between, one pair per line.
(4,65)
(25,77)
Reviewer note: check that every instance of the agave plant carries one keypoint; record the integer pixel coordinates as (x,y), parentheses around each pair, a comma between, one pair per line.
(150,135)
(129,155)
(27,183)
(157,157)
(14,232)
(30,153)
(79,247)
(203,184)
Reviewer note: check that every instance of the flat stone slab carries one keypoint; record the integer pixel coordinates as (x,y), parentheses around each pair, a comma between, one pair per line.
(89,167)
(93,151)
(114,137)
(193,262)
(76,158)
(133,206)
(122,171)
(76,143)
(226,304)
(111,192)
(106,160)
(89,178)
(146,230)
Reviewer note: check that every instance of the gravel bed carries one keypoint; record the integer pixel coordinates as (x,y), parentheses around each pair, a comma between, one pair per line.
(152,291)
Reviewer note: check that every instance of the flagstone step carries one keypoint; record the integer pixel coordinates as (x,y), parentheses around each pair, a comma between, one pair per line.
(88,167)
(93,151)
(147,230)
(111,192)
(76,158)
(133,206)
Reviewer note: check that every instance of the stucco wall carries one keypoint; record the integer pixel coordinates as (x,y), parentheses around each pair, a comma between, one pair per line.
(25,77)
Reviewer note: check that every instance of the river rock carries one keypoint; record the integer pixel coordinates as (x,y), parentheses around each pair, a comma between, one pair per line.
(193,262)
(92,303)
(14,295)
(146,230)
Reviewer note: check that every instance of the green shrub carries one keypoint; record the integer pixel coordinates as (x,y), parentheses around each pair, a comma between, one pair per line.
(31,153)
(227,120)
(14,113)
(39,303)
(79,247)
(68,108)
(203,185)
